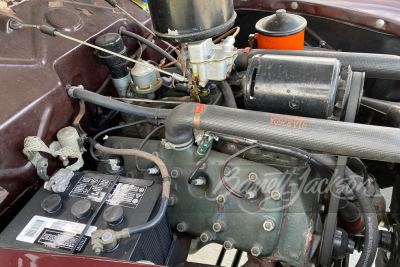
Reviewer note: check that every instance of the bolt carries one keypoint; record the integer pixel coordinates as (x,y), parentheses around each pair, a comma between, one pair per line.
(380,23)
(256,250)
(227,171)
(205,236)
(106,236)
(182,227)
(233,147)
(280,12)
(294,104)
(228,244)
(221,199)
(294,5)
(275,194)
(172,201)
(253,177)
(218,226)
(269,225)
(155,153)
(97,251)
(175,173)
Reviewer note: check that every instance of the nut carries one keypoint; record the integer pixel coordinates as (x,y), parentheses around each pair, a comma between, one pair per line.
(205,236)
(172,201)
(175,173)
(253,177)
(221,199)
(256,250)
(228,244)
(294,5)
(155,153)
(269,225)
(227,171)
(275,194)
(182,227)
(280,12)
(218,226)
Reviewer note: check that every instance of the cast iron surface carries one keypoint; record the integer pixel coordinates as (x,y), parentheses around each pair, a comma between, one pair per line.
(197,206)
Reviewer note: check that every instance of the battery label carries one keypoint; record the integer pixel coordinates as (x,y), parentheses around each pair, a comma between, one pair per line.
(55,233)
(126,195)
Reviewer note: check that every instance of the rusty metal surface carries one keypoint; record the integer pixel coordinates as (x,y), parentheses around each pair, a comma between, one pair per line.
(364,13)
(22,258)
(34,70)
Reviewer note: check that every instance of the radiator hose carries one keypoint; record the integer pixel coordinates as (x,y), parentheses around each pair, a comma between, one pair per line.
(332,137)
(374,65)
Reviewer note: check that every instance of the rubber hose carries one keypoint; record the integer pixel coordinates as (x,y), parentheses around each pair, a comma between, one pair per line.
(371,238)
(228,94)
(155,47)
(354,181)
(332,137)
(374,65)
(107,102)
(390,109)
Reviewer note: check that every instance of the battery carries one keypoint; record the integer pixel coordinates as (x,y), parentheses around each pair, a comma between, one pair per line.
(53,222)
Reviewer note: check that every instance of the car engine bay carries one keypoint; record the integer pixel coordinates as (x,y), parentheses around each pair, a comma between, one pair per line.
(133,129)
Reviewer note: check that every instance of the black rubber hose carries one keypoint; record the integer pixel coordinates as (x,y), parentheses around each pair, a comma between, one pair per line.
(155,47)
(374,65)
(390,109)
(107,102)
(332,137)
(142,145)
(228,94)
(371,238)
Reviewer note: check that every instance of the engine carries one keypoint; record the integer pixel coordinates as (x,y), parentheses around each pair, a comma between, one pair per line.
(261,148)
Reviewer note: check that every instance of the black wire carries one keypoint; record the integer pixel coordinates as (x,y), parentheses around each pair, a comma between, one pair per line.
(203,160)
(143,143)
(222,174)
(109,130)
(364,168)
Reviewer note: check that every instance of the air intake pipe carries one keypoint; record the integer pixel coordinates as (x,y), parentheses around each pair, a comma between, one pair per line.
(374,65)
(332,137)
